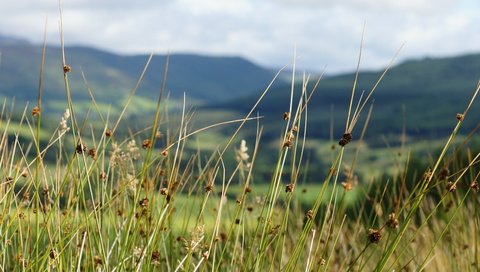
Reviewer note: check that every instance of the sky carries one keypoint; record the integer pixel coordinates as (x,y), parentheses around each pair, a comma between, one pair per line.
(325,34)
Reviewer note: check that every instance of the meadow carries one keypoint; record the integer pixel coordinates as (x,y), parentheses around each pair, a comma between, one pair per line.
(94,195)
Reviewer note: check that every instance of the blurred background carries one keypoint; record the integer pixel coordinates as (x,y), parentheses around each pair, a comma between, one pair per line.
(224,53)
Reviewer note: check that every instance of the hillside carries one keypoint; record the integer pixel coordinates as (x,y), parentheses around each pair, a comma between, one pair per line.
(113,76)
(430,90)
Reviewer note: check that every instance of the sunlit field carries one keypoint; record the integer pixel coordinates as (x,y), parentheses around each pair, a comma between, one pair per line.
(89,193)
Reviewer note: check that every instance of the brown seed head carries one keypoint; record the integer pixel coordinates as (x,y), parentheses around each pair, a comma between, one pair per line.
(286,115)
(346,138)
(289,188)
(143,203)
(108,133)
(165,152)
(164,191)
(146,144)
(92,152)
(287,144)
(459,117)
(53,254)
(451,187)
(26,196)
(97,261)
(444,173)
(427,175)
(25,172)
(103,176)
(67,69)
(310,214)
(155,257)
(205,255)
(474,186)
(248,189)
(120,212)
(347,185)
(374,236)
(208,187)
(80,148)
(392,221)
(36,111)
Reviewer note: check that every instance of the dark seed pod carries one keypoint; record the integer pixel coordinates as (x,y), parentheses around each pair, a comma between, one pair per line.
(346,138)
(374,236)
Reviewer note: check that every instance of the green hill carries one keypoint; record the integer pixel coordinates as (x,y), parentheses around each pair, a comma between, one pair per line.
(430,90)
(113,76)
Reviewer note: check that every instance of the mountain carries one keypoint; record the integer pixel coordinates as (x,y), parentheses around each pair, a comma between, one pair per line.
(112,76)
(424,94)
(6,39)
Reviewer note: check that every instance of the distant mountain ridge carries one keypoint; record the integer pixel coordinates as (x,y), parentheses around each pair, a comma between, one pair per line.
(112,76)
(425,94)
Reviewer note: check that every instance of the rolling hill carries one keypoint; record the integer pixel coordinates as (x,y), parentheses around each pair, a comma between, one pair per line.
(113,76)
(424,94)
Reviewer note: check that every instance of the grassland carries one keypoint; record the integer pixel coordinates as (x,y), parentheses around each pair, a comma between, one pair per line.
(86,193)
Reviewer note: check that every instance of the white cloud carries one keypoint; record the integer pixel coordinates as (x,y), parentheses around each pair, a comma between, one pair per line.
(327,32)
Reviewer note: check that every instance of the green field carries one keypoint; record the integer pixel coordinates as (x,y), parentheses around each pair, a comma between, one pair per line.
(111,188)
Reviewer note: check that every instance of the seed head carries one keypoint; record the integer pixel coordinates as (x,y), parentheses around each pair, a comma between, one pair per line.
(103,176)
(80,148)
(310,214)
(36,111)
(286,115)
(444,173)
(92,152)
(289,188)
(53,254)
(143,203)
(205,255)
(392,221)
(374,236)
(97,260)
(164,191)
(451,187)
(108,133)
(67,69)
(347,185)
(346,138)
(146,144)
(155,257)
(474,186)
(459,117)
(208,187)
(24,172)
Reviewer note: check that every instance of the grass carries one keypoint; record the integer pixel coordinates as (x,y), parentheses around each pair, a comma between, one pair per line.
(172,198)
